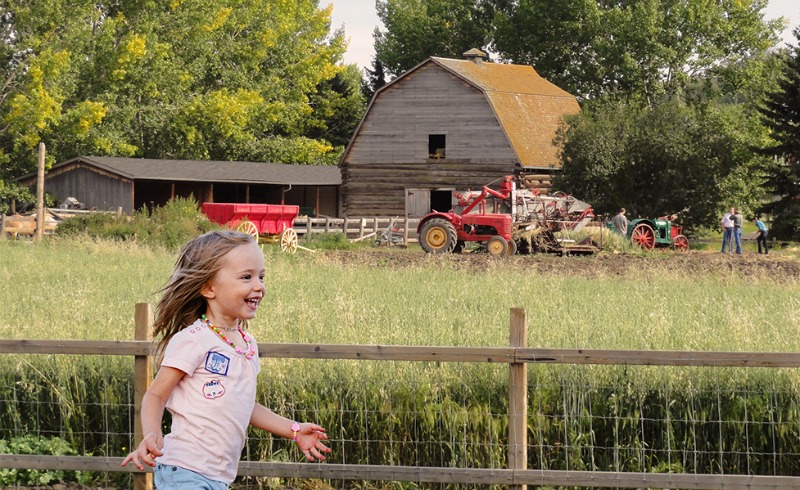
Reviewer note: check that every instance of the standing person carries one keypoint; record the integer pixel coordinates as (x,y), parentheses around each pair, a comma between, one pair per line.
(762,235)
(209,364)
(738,221)
(727,231)
(620,222)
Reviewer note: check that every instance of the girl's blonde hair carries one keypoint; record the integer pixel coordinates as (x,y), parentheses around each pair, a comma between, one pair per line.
(198,262)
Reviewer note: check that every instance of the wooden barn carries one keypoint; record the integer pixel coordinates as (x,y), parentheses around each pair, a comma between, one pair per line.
(107,183)
(450,125)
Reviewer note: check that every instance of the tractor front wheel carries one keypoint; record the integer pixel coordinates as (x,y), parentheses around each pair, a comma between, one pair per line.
(438,236)
(643,236)
(680,243)
(497,245)
(512,247)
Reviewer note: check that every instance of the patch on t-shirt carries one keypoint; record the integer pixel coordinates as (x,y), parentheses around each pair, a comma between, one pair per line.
(213,389)
(217,363)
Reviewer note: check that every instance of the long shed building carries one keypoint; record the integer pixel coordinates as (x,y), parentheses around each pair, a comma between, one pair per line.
(129,184)
(449,125)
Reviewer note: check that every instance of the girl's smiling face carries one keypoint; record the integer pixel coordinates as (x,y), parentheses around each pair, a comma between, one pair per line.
(237,288)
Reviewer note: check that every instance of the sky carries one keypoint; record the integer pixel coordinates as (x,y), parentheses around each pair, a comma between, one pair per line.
(359,19)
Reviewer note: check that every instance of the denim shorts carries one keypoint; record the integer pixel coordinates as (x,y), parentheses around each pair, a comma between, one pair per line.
(168,477)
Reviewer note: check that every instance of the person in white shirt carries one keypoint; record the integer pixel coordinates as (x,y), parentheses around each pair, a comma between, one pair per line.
(727,231)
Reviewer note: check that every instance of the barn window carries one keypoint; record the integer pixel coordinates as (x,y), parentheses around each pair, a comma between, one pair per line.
(436,146)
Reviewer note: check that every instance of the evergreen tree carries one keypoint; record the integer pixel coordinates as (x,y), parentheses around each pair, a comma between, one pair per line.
(376,78)
(781,114)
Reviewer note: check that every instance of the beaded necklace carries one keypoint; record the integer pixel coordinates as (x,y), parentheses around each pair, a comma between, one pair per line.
(251,350)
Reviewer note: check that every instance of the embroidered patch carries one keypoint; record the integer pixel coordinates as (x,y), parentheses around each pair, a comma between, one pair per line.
(213,389)
(217,363)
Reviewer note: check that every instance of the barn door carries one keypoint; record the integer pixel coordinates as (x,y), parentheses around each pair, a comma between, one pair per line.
(418,202)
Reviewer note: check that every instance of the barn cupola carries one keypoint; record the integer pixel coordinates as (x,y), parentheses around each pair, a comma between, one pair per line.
(475,55)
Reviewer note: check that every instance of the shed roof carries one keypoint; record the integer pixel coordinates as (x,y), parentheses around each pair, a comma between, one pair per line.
(213,171)
(528,107)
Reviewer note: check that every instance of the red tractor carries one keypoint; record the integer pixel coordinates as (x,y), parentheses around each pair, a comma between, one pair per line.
(519,219)
(448,232)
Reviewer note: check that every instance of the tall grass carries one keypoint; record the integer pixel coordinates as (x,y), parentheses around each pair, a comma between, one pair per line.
(632,419)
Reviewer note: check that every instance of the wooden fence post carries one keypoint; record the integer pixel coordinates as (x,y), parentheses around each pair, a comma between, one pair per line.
(518,398)
(39,234)
(143,375)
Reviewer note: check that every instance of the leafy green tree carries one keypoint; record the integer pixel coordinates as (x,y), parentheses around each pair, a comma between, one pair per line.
(419,29)
(227,80)
(648,47)
(663,158)
(781,114)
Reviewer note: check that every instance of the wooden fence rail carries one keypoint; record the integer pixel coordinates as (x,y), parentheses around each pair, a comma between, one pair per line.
(516,355)
(357,227)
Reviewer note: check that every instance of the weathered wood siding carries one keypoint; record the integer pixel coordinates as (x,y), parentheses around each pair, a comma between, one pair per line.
(390,151)
(97,190)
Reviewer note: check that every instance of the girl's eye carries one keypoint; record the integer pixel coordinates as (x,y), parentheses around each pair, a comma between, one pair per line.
(246,276)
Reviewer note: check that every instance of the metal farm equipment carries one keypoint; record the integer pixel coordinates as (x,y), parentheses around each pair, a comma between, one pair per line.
(268,223)
(507,221)
(661,232)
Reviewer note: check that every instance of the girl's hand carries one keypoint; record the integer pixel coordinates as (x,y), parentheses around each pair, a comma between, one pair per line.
(149,449)
(309,440)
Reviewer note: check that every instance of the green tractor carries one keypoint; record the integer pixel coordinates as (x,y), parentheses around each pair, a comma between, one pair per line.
(649,233)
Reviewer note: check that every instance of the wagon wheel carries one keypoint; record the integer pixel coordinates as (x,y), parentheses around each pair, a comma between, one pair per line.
(643,236)
(289,240)
(680,243)
(497,245)
(248,227)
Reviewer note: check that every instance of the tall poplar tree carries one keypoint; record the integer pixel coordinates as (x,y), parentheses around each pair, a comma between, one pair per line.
(225,79)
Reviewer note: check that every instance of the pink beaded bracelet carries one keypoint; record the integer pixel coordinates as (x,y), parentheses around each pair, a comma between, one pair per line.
(295,430)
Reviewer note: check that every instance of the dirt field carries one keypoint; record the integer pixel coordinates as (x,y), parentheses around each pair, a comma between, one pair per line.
(776,265)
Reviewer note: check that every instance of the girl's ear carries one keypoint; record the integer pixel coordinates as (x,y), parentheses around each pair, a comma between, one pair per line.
(207,291)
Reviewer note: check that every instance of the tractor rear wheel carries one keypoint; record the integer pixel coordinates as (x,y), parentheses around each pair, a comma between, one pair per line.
(497,245)
(437,236)
(680,243)
(643,236)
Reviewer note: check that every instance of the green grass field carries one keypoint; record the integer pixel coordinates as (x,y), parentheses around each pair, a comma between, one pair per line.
(81,289)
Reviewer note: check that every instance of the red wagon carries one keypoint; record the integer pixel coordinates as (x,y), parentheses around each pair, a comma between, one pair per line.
(269,223)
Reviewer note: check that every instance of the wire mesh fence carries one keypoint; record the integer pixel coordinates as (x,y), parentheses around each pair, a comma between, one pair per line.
(429,414)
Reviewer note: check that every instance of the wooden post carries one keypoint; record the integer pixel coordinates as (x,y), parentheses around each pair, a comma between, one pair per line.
(518,398)
(40,195)
(143,366)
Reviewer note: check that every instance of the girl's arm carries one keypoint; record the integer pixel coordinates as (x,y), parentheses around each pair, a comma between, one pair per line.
(309,436)
(153,403)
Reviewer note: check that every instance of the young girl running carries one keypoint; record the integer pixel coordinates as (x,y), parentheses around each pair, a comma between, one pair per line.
(209,363)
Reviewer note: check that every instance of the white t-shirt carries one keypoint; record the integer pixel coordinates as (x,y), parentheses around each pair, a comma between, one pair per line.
(211,406)
(727,222)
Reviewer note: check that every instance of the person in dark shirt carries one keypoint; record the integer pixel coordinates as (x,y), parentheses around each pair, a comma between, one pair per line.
(762,235)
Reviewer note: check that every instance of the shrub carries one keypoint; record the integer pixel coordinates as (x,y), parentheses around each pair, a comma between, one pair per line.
(30,444)
(168,226)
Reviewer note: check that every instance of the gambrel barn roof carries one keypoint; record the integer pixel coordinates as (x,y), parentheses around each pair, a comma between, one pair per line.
(528,107)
